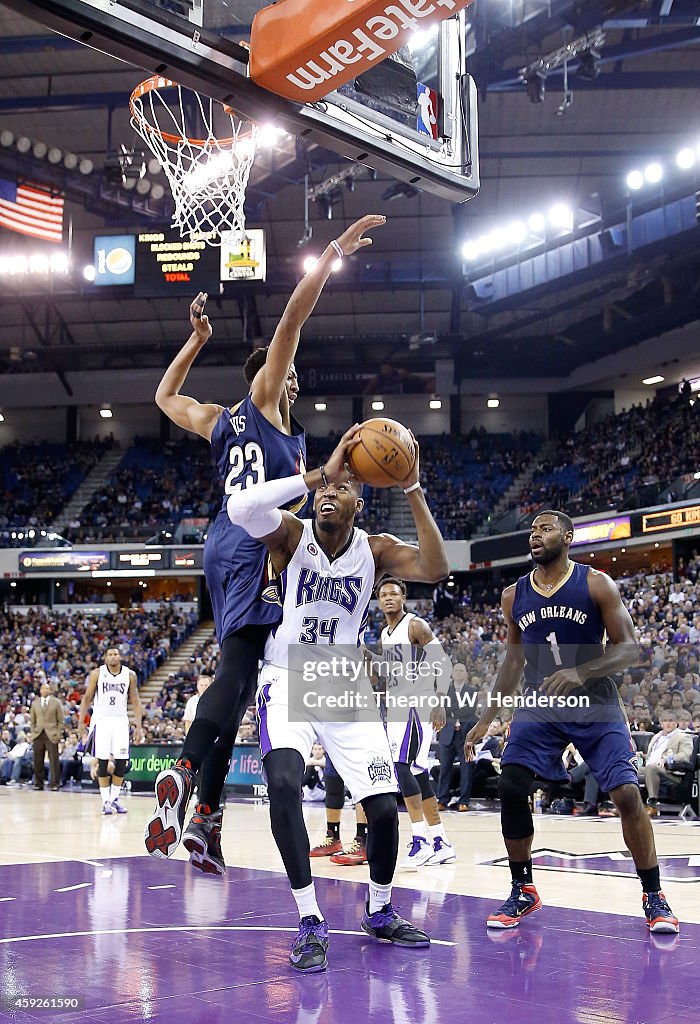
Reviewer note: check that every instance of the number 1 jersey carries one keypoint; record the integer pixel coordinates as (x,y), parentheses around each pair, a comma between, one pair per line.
(561,629)
(247,449)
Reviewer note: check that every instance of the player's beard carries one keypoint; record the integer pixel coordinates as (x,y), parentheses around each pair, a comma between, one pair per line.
(547,555)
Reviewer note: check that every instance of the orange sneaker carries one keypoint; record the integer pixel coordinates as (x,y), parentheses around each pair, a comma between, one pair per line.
(523,900)
(355,854)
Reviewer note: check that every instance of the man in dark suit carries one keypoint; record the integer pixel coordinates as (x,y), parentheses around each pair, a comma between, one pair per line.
(461,716)
(46,729)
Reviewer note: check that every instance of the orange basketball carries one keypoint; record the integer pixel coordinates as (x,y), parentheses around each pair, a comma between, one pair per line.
(385,455)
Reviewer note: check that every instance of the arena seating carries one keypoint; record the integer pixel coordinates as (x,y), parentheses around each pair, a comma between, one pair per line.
(38,479)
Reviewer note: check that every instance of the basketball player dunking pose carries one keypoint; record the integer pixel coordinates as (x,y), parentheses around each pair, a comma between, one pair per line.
(111,685)
(409,647)
(256,440)
(558,616)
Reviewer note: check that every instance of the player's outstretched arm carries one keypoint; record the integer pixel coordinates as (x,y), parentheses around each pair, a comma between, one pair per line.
(621,651)
(87,700)
(187,412)
(270,379)
(426,563)
(509,675)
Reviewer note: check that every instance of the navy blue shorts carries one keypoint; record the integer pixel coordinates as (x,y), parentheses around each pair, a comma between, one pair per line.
(237,575)
(601,735)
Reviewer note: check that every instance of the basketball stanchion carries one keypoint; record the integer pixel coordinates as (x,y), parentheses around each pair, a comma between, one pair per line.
(206,153)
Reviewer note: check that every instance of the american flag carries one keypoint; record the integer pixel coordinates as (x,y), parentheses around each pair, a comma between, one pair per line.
(31,210)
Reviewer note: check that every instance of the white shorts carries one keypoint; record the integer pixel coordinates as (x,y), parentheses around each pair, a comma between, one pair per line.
(359,750)
(410,742)
(111,738)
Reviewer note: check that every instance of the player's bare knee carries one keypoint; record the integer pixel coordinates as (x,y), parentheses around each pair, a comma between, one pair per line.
(627,800)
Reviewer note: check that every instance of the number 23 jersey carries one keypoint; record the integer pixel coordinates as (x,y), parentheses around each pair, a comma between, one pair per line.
(247,449)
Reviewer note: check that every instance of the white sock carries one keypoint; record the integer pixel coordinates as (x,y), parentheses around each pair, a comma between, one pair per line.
(305,900)
(419,830)
(438,830)
(379,896)
(114,792)
(105,794)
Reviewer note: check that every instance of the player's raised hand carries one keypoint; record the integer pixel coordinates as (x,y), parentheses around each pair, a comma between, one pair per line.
(352,239)
(200,322)
(414,475)
(336,468)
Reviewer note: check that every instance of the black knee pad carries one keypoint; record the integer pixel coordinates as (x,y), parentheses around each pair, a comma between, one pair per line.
(407,780)
(102,772)
(426,786)
(514,790)
(335,792)
(120,767)
(381,807)
(284,771)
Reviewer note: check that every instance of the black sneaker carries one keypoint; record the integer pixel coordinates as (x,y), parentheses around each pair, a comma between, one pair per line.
(202,839)
(173,791)
(387,926)
(660,917)
(309,949)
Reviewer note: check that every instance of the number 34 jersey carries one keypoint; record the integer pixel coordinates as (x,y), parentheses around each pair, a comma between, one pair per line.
(561,629)
(247,450)
(325,602)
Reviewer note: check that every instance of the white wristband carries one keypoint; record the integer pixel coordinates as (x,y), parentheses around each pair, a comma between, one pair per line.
(338,248)
(413,487)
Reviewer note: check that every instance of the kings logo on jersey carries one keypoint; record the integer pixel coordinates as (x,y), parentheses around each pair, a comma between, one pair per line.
(379,769)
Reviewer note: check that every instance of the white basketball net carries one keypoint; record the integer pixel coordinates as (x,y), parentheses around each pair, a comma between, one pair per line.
(207,165)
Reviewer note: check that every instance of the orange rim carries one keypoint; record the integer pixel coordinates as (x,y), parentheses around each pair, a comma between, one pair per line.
(153,84)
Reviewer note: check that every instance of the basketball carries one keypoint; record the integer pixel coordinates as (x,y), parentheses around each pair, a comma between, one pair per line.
(385,455)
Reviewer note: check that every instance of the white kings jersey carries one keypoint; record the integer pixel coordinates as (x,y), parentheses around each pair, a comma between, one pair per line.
(409,669)
(112,693)
(323,602)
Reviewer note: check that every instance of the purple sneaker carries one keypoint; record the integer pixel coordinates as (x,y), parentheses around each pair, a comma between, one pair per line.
(387,926)
(309,949)
(107,808)
(118,807)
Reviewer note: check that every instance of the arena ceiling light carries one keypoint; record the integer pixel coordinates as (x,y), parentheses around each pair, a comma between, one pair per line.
(685,158)
(377,406)
(89,272)
(635,180)
(653,380)
(2,418)
(36,263)
(106,412)
(435,403)
(493,403)
(653,173)
(320,406)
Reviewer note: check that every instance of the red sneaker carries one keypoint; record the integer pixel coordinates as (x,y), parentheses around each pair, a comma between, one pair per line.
(356,853)
(326,847)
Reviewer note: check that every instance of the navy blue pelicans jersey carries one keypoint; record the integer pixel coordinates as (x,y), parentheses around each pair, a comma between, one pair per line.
(564,629)
(247,449)
(561,629)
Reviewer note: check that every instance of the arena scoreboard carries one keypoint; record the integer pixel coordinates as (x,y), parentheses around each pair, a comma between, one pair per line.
(168,264)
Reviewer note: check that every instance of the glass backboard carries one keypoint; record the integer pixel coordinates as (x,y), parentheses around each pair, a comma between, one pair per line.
(413,117)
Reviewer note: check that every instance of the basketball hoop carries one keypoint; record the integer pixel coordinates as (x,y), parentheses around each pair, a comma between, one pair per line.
(207,165)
